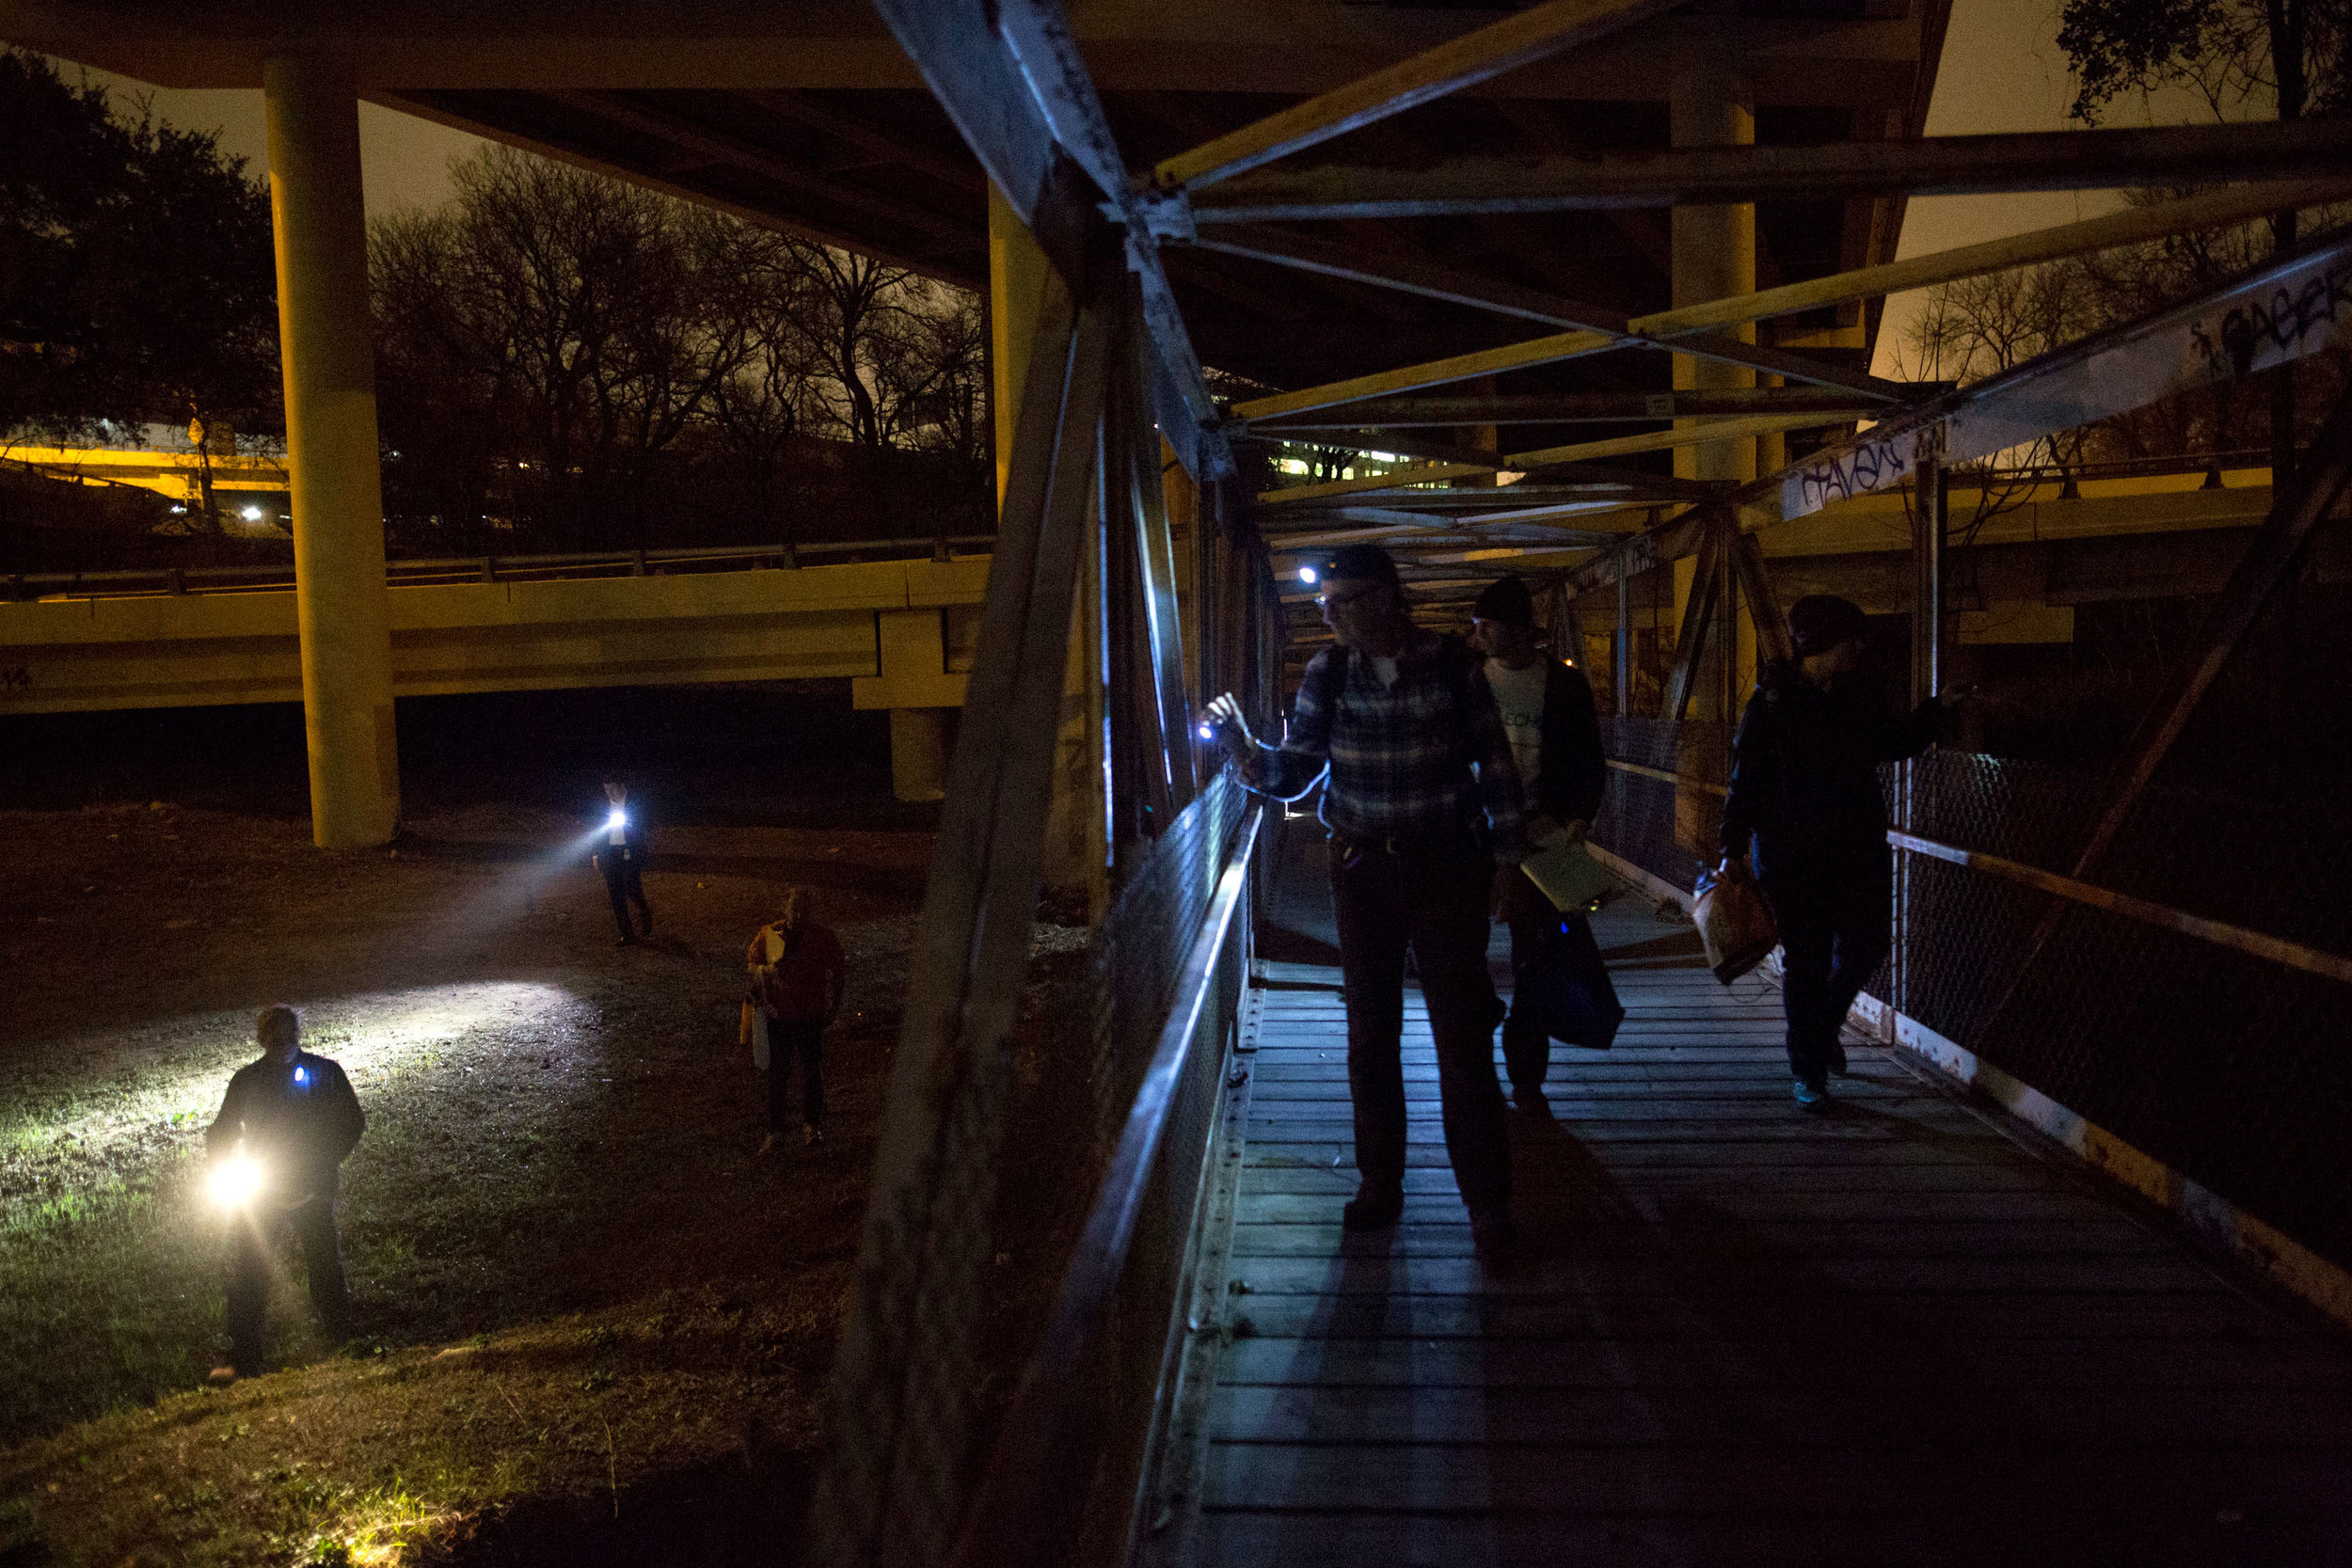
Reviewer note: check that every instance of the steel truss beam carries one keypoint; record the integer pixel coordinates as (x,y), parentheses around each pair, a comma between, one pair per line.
(925,1242)
(2283,308)
(1430,280)
(1009,76)
(1458,63)
(1376,421)
(2214,208)
(2165,156)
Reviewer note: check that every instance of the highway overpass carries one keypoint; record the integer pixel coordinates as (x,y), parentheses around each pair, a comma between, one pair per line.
(900,632)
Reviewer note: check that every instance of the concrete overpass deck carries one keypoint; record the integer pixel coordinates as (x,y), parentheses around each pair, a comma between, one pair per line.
(901,632)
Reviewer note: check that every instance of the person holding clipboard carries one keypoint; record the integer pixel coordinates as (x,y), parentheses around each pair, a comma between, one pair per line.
(1546,709)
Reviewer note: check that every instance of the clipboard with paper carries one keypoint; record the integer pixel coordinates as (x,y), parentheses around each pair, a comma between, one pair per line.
(1563,870)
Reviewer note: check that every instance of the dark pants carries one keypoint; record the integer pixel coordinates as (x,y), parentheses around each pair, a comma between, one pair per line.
(250,1236)
(1437,903)
(1835,928)
(789,1040)
(1526,1049)
(624,885)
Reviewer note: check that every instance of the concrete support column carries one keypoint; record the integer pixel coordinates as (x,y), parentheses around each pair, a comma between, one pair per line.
(1713,253)
(918,753)
(324,327)
(1078,823)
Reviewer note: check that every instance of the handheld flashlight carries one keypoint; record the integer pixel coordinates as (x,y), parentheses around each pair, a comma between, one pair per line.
(618,819)
(1208,730)
(235,1182)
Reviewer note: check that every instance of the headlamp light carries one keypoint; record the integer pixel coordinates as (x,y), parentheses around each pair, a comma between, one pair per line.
(235,1182)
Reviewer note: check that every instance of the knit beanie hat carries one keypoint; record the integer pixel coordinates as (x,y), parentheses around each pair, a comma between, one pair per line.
(1819,622)
(1506,600)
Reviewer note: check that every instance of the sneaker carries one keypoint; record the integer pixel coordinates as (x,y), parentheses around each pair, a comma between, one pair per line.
(1492,1238)
(1373,1211)
(1811,1093)
(811,1137)
(220,1377)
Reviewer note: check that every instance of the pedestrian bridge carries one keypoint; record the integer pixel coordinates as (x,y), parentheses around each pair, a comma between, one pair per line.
(1912,1329)
(2064,1278)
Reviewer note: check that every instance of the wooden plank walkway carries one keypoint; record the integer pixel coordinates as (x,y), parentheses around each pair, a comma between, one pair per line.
(1738,1333)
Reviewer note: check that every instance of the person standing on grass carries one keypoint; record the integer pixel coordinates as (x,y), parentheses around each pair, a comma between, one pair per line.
(1547,709)
(1418,762)
(620,854)
(1806,816)
(294,1118)
(799,976)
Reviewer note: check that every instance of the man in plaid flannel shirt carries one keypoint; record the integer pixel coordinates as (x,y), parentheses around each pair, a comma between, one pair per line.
(1416,752)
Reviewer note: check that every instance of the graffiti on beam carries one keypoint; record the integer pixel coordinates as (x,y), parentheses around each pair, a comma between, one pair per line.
(2281,314)
(2277,326)
(1843,472)
(2278,316)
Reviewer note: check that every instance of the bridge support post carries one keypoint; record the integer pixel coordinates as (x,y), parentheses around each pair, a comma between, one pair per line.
(1713,256)
(918,753)
(1077,822)
(323,326)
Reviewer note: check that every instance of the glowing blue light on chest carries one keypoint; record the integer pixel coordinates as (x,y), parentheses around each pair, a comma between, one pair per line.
(302,1078)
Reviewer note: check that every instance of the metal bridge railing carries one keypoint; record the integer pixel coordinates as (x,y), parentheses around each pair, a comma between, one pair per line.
(140,581)
(2194,1002)
(1072,1452)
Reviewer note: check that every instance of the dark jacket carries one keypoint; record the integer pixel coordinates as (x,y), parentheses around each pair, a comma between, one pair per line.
(300,1121)
(806,980)
(632,835)
(1575,770)
(1804,782)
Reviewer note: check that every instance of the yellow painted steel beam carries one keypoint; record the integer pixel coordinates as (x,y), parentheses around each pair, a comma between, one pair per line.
(2210,210)
(1697,434)
(1458,63)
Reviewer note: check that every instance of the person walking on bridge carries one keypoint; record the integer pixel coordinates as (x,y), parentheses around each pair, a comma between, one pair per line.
(1547,709)
(1806,816)
(1418,762)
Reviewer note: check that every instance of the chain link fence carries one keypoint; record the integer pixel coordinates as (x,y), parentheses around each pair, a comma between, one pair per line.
(2233,1070)
(1026,1144)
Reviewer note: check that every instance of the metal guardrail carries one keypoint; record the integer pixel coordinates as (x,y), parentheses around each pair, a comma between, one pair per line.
(2261,944)
(136,581)
(1043,1444)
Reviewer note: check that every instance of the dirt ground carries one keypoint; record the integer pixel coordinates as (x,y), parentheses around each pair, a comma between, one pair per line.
(583,1296)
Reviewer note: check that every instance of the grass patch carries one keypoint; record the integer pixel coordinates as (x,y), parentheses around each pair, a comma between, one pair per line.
(580,1292)
(408,1456)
